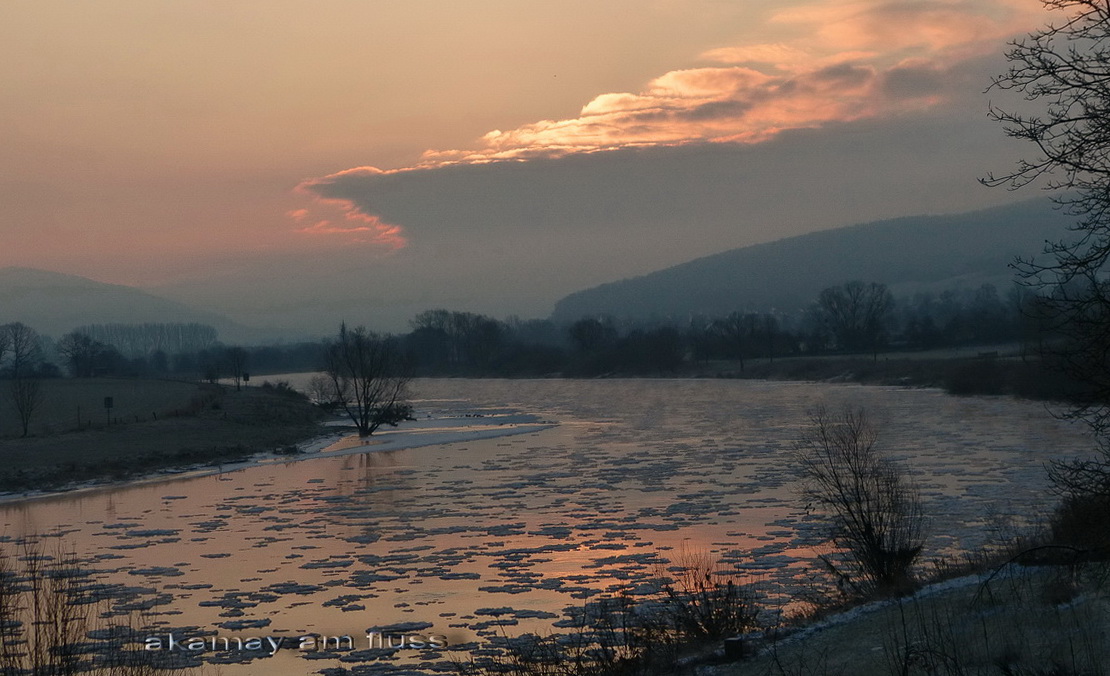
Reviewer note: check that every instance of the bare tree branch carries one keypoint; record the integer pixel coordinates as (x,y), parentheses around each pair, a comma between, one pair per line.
(369,378)
(873,510)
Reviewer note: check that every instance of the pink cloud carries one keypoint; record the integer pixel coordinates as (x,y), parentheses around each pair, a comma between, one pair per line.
(893,26)
(837,62)
(838,67)
(329,216)
(780,54)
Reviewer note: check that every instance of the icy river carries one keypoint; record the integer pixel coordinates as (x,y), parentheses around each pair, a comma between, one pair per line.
(561,492)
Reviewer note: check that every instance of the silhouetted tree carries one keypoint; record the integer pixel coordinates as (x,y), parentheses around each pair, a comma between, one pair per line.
(23,346)
(430,348)
(159,361)
(27,396)
(462,339)
(140,340)
(1035,319)
(737,330)
(659,350)
(369,378)
(873,509)
(80,352)
(536,332)
(1063,71)
(482,338)
(770,335)
(988,318)
(594,349)
(236,358)
(25,353)
(591,334)
(665,350)
(211,363)
(856,313)
(699,334)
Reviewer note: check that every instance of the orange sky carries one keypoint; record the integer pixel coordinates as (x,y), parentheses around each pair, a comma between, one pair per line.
(144,141)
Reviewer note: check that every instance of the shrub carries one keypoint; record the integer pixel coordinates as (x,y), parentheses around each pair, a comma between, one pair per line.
(1084,488)
(51,623)
(1080,521)
(873,509)
(702,603)
(282,388)
(619,637)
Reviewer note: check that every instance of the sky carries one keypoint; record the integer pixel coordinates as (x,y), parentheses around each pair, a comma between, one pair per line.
(267,158)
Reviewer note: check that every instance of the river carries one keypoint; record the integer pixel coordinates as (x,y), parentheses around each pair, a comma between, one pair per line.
(462,541)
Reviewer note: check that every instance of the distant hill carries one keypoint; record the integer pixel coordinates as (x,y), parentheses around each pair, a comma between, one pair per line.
(921,253)
(54,304)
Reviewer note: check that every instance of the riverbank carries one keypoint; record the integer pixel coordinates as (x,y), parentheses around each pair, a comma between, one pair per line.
(219,430)
(982,373)
(521,528)
(182,424)
(1011,619)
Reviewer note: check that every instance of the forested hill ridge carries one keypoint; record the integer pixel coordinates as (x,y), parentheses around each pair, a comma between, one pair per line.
(920,253)
(54,303)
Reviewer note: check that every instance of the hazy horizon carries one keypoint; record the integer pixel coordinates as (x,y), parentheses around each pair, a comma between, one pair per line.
(490,158)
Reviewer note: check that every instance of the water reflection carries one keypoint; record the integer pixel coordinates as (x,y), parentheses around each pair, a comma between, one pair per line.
(529,524)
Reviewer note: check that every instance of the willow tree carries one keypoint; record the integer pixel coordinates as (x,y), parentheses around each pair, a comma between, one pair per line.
(369,378)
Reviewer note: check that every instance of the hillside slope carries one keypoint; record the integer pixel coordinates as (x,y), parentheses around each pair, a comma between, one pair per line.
(54,303)
(908,254)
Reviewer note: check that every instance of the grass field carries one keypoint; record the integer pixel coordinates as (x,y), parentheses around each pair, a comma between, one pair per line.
(67,403)
(154,424)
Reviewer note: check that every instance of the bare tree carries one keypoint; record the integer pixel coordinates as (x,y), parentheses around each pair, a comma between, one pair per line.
(210,362)
(857,314)
(369,378)
(80,352)
(140,340)
(5,343)
(237,363)
(53,621)
(23,344)
(321,391)
(737,329)
(469,339)
(591,334)
(27,397)
(1063,70)
(1063,73)
(699,334)
(873,509)
(770,332)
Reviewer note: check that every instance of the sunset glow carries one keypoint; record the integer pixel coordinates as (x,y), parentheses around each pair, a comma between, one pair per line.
(152,144)
(846,62)
(371,336)
(342,217)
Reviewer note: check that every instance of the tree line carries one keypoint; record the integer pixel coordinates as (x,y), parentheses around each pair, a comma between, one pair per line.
(854,318)
(851,318)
